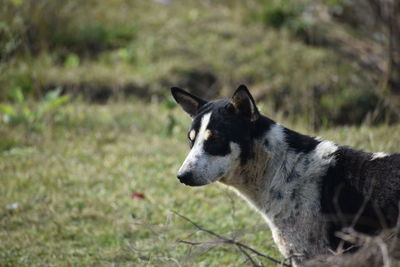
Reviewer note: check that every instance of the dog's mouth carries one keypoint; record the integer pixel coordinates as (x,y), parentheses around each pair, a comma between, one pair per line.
(191,183)
(189,180)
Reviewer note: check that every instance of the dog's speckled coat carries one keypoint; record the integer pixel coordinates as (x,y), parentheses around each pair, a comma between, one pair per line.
(306,188)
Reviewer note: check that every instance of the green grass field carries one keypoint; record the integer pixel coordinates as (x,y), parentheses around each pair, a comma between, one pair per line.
(72,176)
(74,182)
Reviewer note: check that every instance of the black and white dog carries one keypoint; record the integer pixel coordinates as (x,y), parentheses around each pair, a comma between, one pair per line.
(306,188)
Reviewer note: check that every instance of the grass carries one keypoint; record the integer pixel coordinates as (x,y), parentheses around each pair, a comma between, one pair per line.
(73,182)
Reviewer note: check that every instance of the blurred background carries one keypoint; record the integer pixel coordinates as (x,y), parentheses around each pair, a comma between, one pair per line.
(332,62)
(90,139)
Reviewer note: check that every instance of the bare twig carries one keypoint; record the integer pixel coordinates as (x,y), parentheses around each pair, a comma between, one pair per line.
(221,239)
(248,256)
(396,231)
(384,250)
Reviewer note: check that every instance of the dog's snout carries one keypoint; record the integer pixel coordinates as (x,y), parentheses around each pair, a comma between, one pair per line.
(185,177)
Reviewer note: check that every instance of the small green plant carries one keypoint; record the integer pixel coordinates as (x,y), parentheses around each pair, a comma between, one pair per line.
(292,15)
(279,13)
(21,112)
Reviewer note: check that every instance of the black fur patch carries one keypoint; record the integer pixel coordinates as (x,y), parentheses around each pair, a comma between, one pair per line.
(355,182)
(300,143)
(261,127)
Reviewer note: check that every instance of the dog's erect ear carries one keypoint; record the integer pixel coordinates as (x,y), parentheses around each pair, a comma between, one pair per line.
(187,101)
(242,103)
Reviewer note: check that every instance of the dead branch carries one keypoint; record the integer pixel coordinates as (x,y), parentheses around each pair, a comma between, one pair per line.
(372,250)
(224,240)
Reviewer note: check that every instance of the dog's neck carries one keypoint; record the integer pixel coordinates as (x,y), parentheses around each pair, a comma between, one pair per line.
(247,179)
(263,171)
(276,171)
(283,183)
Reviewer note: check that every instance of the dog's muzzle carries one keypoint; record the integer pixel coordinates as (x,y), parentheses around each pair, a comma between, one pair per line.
(187,178)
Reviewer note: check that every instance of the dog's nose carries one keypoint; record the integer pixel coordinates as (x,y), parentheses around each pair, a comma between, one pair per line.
(185,177)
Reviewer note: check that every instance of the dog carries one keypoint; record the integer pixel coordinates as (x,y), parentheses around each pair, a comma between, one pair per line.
(306,188)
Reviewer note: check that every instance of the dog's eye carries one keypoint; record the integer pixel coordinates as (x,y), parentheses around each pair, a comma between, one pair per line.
(192,135)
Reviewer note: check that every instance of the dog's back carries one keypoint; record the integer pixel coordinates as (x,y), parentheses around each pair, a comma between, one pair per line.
(361,190)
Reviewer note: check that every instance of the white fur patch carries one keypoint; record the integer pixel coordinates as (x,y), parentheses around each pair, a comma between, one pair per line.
(325,149)
(197,148)
(277,149)
(276,136)
(379,155)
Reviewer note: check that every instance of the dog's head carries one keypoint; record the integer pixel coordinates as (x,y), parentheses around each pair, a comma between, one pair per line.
(219,136)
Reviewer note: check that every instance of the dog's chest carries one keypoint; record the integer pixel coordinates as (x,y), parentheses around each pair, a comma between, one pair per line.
(292,211)
(298,233)
(298,228)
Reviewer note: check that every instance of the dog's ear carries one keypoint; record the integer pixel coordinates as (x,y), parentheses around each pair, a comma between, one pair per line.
(242,103)
(187,101)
